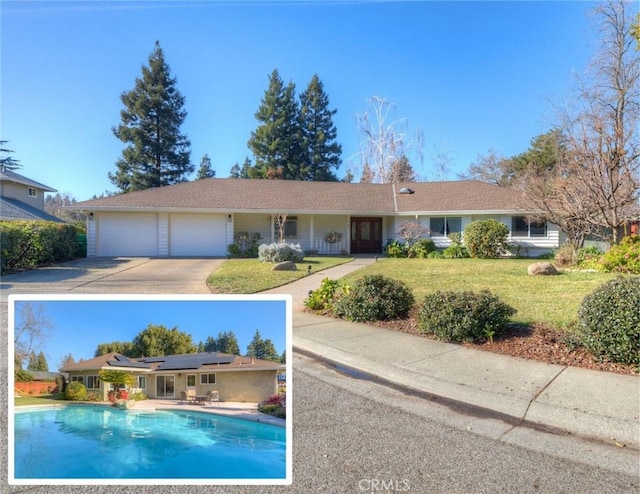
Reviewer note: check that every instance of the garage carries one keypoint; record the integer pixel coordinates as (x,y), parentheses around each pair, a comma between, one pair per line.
(200,235)
(131,234)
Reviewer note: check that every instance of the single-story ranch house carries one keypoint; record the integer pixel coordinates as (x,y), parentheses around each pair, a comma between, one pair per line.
(241,379)
(201,218)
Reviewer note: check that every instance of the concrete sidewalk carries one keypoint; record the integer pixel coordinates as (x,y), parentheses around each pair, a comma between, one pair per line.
(599,405)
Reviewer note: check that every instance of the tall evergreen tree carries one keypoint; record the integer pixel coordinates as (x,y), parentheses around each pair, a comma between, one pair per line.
(275,143)
(262,349)
(7,162)
(244,172)
(205,170)
(321,152)
(228,343)
(157,153)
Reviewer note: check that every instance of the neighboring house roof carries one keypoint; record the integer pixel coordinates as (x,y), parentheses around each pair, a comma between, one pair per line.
(11,176)
(212,361)
(289,196)
(13,209)
(43,376)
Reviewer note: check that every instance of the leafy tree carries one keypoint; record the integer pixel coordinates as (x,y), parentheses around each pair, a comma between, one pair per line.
(384,143)
(7,162)
(262,349)
(158,340)
(121,347)
(205,170)
(321,152)
(157,153)
(276,142)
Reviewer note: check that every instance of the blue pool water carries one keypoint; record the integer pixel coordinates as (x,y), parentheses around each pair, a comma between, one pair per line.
(87,442)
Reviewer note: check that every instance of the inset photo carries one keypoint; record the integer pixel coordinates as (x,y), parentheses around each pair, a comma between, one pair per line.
(150,389)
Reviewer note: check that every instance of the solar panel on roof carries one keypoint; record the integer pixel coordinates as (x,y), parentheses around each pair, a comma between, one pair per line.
(194,361)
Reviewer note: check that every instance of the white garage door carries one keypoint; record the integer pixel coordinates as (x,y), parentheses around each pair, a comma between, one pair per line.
(127,234)
(197,235)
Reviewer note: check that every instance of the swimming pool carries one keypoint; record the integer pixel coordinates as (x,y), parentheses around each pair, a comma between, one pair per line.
(94,442)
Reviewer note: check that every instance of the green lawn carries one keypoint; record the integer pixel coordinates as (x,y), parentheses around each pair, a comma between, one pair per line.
(253,276)
(549,300)
(37,400)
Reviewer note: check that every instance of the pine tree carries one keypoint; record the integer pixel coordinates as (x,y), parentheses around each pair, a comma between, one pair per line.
(205,170)
(262,349)
(157,153)
(244,172)
(321,152)
(275,143)
(228,343)
(7,162)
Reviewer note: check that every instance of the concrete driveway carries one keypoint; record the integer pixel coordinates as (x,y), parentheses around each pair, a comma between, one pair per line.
(140,275)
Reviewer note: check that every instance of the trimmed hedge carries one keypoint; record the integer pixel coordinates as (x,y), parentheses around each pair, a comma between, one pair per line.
(374,298)
(28,244)
(486,239)
(464,316)
(609,320)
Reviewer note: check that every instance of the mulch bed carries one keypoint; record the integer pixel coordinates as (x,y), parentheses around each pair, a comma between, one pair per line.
(534,343)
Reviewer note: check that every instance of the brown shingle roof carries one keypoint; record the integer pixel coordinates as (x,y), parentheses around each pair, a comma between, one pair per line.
(243,195)
(235,363)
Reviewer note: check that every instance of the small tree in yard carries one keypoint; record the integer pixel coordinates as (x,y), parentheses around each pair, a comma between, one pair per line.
(411,231)
(486,239)
(120,380)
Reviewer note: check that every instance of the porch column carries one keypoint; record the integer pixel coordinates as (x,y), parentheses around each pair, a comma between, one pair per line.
(311,232)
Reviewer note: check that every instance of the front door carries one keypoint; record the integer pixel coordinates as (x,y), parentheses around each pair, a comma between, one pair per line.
(366,235)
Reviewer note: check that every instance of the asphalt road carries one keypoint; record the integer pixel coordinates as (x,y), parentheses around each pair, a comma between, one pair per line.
(352,436)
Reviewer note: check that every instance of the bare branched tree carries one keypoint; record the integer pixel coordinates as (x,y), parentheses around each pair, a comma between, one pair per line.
(385,142)
(492,168)
(280,221)
(594,190)
(32,328)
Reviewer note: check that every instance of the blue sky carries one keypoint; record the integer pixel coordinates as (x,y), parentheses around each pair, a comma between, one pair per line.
(80,324)
(471,75)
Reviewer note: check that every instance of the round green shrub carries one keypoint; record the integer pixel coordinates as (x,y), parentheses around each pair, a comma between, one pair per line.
(486,239)
(609,320)
(422,248)
(75,391)
(374,298)
(463,316)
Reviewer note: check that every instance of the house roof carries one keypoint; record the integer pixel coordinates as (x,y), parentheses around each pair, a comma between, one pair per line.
(13,209)
(209,361)
(11,176)
(289,196)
